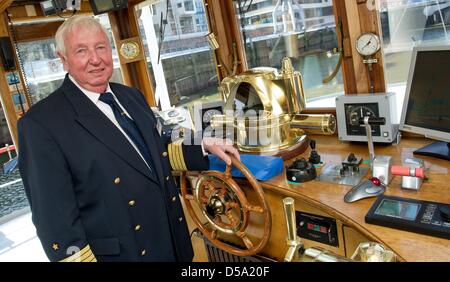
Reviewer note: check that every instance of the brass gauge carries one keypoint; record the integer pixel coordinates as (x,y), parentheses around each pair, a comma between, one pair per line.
(368,44)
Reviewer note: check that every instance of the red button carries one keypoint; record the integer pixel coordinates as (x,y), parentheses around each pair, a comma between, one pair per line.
(375,181)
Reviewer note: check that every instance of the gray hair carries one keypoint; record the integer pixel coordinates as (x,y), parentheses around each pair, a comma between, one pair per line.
(70,24)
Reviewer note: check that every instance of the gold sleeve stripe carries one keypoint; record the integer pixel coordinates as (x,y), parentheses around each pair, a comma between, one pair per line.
(176,156)
(181,156)
(89,258)
(84,255)
(171,160)
(172,157)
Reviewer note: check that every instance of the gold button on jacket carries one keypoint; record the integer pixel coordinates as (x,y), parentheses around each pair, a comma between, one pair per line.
(117,180)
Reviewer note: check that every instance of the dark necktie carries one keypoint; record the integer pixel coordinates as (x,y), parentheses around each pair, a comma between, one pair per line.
(129,126)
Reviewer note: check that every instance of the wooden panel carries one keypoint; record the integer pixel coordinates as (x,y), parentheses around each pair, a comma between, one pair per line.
(329,197)
(5,4)
(352,239)
(141,67)
(5,95)
(136,74)
(20,13)
(354,32)
(222,22)
(38,31)
(370,22)
(357,19)
(348,72)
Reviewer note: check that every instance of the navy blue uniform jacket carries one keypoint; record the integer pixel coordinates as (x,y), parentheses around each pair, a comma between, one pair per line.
(91,195)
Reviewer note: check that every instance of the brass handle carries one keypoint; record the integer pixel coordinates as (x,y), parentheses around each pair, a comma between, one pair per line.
(289,212)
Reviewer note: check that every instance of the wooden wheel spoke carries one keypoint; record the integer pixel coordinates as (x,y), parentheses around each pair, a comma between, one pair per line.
(231,218)
(248,243)
(204,199)
(218,220)
(223,191)
(257,209)
(214,234)
(228,171)
(231,205)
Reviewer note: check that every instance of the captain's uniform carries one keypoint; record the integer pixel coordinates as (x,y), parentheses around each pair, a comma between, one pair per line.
(92,195)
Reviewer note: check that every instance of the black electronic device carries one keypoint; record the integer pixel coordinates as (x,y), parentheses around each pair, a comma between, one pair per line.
(430,218)
(104,6)
(351,109)
(7,54)
(317,228)
(301,171)
(350,165)
(314,157)
(427,100)
(51,7)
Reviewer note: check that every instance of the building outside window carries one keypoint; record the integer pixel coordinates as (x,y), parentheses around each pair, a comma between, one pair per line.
(303,30)
(406,24)
(185,72)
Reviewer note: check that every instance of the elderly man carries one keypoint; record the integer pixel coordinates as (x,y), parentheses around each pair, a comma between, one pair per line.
(95,170)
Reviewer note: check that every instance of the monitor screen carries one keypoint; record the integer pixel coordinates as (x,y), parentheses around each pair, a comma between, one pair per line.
(398,209)
(426,108)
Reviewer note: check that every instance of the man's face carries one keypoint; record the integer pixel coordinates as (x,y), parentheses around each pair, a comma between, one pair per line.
(88,58)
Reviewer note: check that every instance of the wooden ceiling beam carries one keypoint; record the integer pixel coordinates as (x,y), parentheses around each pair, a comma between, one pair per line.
(4,5)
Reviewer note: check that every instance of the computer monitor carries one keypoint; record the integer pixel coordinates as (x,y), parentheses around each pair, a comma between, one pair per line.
(426,108)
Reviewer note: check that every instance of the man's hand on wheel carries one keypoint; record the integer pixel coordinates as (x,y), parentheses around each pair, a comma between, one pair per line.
(220,148)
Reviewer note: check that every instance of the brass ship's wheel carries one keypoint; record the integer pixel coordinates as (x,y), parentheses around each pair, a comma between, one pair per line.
(226,208)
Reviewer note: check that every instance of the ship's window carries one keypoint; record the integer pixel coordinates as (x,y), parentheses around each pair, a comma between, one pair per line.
(303,30)
(43,69)
(406,24)
(183,71)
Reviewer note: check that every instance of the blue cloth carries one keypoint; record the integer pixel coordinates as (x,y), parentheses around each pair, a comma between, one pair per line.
(262,167)
(129,127)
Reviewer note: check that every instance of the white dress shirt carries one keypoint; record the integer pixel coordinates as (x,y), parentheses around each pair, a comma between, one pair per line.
(107,111)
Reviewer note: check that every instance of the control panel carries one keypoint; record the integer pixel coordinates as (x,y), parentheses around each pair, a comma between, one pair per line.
(317,228)
(351,109)
(430,218)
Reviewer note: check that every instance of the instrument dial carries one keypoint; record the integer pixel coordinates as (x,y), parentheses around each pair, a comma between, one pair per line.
(368,44)
(354,112)
(359,112)
(209,114)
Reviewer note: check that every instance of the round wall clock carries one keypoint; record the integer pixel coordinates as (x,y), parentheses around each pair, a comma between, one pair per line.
(130,50)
